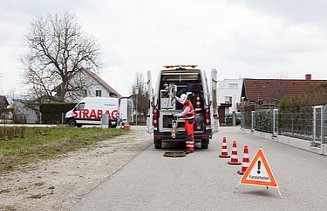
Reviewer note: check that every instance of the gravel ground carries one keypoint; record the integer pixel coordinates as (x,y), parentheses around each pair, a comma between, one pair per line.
(58,184)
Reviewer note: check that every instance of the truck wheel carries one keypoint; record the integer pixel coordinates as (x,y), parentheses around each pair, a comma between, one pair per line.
(113,126)
(158,144)
(72,122)
(204,144)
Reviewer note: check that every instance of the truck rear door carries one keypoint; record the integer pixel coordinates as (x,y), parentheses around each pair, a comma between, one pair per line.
(214,95)
(149,118)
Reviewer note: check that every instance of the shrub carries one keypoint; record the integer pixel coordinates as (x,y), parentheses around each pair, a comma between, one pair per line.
(52,113)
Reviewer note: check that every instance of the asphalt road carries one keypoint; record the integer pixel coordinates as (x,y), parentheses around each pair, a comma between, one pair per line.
(203,181)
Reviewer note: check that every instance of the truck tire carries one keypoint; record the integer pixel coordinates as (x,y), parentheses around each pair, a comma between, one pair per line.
(72,122)
(158,144)
(204,144)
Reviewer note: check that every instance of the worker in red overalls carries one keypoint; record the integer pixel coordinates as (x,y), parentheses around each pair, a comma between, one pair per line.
(188,114)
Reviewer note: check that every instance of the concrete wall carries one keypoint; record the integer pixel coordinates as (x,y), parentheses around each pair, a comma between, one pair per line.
(294,142)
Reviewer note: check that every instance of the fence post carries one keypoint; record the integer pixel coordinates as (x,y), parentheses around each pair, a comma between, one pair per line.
(275,122)
(322,125)
(62,118)
(324,110)
(314,126)
(252,120)
(292,126)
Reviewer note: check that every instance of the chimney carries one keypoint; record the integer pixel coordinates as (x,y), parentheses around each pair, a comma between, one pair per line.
(308,77)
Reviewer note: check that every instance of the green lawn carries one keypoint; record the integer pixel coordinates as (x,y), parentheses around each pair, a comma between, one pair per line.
(32,144)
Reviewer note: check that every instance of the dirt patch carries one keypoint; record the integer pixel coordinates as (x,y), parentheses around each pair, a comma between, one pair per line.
(60,183)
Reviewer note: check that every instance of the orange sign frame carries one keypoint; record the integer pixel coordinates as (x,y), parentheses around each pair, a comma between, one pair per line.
(258,182)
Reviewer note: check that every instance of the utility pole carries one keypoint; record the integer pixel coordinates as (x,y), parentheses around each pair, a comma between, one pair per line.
(136,99)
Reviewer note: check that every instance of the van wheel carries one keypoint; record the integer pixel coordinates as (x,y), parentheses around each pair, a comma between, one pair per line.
(113,126)
(72,122)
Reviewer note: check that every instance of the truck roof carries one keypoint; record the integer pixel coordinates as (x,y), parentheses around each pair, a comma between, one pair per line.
(180,74)
(99,99)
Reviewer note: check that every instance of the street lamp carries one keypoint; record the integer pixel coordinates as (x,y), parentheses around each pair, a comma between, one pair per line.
(136,97)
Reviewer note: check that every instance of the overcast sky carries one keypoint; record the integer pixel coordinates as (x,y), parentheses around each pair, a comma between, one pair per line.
(239,38)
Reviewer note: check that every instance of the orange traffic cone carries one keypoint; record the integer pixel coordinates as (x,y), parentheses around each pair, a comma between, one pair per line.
(245,161)
(224,152)
(234,158)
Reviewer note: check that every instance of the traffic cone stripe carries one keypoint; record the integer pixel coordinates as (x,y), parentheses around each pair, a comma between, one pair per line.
(245,165)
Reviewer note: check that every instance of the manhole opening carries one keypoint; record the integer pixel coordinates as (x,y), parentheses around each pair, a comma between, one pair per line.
(174,154)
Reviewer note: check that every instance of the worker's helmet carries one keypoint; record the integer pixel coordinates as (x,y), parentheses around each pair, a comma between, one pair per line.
(183,98)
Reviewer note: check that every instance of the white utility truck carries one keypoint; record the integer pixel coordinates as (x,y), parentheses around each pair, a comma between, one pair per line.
(175,80)
(90,110)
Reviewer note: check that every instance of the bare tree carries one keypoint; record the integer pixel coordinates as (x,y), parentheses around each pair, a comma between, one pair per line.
(140,97)
(58,49)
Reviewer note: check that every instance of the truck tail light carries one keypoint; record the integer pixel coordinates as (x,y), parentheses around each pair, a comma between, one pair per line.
(155,117)
(198,102)
(207,120)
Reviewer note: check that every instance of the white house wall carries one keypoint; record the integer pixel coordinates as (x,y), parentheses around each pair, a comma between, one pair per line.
(92,85)
(97,86)
(224,89)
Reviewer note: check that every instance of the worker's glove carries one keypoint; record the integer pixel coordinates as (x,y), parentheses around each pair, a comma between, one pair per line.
(175,115)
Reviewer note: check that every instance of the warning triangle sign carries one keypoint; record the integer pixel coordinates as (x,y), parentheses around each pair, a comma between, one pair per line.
(259,172)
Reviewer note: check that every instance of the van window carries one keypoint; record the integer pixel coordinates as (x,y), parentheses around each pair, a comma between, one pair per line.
(80,106)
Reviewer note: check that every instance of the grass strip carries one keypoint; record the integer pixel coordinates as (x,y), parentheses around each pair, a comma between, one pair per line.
(45,143)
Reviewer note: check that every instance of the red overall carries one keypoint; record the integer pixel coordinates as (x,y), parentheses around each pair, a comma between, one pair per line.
(189,125)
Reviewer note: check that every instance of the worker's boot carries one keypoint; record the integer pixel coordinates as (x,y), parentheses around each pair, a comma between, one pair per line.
(192,147)
(188,147)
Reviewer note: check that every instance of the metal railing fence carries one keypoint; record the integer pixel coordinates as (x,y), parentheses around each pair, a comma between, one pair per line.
(308,123)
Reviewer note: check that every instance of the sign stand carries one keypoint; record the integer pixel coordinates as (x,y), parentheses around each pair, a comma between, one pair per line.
(259,173)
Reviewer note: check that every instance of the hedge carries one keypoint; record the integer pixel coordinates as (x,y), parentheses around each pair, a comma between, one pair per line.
(52,113)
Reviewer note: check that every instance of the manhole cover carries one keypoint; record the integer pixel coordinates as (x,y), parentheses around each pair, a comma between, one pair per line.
(174,154)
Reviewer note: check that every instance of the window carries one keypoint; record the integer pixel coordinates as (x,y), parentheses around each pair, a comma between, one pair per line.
(98,93)
(80,107)
(233,86)
(228,99)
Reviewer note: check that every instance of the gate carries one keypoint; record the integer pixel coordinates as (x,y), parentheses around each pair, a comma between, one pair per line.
(319,125)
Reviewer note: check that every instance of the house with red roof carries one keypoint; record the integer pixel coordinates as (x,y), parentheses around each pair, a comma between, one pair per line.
(268,92)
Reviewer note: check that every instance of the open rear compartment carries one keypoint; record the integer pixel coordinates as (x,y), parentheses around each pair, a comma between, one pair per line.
(174,83)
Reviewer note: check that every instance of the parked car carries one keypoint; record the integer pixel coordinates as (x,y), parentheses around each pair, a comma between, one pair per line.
(229,118)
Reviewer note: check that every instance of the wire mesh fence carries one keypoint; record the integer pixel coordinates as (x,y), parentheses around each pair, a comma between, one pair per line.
(296,122)
(263,120)
(308,123)
(246,120)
